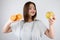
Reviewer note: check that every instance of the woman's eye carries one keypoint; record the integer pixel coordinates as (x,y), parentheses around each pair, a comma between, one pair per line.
(31,8)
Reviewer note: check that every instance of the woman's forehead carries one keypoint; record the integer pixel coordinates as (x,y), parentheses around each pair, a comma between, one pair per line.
(31,5)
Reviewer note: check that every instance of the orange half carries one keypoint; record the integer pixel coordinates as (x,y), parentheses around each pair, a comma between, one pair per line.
(49,14)
(19,16)
(16,17)
(13,17)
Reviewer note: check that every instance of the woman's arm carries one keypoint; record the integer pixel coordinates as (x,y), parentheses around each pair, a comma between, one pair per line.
(7,28)
(50,32)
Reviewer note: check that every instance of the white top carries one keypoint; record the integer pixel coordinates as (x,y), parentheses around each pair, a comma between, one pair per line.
(26,31)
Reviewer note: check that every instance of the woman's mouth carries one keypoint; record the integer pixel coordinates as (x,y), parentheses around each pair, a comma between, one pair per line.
(32,12)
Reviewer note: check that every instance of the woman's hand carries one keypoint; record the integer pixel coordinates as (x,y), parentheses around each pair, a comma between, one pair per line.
(52,20)
(7,28)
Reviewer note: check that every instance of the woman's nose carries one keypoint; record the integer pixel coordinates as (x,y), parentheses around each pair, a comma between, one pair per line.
(33,10)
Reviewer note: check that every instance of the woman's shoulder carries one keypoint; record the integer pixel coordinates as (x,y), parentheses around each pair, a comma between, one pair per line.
(38,21)
(15,23)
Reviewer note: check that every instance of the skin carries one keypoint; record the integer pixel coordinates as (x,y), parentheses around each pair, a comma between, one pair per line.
(49,32)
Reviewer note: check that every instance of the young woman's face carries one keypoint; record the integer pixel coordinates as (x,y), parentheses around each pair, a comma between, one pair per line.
(32,10)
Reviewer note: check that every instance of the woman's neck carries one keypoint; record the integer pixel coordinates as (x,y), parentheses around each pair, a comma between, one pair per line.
(29,20)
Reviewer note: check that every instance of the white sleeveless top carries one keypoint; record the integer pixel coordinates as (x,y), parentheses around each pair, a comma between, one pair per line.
(29,30)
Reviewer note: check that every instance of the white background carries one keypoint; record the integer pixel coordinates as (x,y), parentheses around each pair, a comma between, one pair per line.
(9,7)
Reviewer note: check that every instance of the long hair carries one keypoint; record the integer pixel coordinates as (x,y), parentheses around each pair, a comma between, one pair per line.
(26,10)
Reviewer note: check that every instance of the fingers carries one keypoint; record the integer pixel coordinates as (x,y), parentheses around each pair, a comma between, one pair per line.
(54,17)
(51,20)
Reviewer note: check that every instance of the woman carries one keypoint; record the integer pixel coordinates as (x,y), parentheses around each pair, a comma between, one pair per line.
(30,28)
